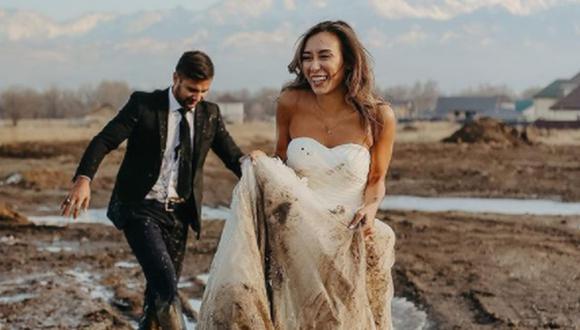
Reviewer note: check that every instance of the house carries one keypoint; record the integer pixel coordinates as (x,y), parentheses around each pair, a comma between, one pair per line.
(466,108)
(558,105)
(551,94)
(232,112)
(565,113)
(570,103)
(526,109)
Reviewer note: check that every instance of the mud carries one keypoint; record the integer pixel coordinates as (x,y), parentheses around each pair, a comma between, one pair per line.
(489,131)
(467,271)
(42,149)
(280,213)
(241,306)
(9,216)
(81,285)
(489,271)
(421,169)
(482,170)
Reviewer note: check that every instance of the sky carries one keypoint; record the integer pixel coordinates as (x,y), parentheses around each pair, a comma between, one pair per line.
(458,44)
(63,10)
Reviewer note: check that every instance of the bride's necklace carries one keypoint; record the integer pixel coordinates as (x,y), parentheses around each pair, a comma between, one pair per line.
(327,128)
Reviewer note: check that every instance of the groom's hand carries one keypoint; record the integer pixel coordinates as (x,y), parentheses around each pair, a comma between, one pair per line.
(78,198)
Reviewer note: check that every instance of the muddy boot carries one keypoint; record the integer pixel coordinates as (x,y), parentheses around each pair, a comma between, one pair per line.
(170,315)
(149,319)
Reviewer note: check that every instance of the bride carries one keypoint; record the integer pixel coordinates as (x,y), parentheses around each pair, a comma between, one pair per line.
(302,248)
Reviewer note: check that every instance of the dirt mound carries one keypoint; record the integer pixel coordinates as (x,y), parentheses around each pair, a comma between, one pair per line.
(9,216)
(42,149)
(487,130)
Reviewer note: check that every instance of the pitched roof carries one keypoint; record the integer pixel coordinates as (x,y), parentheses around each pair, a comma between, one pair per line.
(557,89)
(522,105)
(467,103)
(576,78)
(570,102)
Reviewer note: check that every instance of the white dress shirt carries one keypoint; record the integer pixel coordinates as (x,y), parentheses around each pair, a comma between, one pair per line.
(166,185)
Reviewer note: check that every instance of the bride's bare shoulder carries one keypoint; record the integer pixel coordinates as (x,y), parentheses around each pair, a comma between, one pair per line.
(293,100)
(386,114)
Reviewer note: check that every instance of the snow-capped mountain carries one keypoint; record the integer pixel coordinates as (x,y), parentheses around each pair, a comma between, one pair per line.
(458,43)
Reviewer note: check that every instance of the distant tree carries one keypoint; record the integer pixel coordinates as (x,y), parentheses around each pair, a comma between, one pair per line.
(52,103)
(423,94)
(60,103)
(87,96)
(227,97)
(11,102)
(112,93)
(503,91)
(263,104)
(397,93)
(259,105)
(18,103)
(71,105)
(242,95)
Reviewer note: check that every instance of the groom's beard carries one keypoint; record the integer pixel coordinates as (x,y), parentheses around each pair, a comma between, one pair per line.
(188,103)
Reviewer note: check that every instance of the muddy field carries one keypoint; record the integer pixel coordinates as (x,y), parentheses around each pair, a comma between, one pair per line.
(82,276)
(420,169)
(466,271)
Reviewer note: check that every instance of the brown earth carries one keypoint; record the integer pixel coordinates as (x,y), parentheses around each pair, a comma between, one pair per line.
(9,216)
(490,271)
(64,271)
(42,149)
(422,169)
(488,130)
(466,271)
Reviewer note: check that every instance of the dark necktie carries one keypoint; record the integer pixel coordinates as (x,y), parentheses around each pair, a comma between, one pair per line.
(184,178)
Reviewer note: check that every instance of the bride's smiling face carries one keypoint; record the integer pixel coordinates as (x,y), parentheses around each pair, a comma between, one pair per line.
(323,63)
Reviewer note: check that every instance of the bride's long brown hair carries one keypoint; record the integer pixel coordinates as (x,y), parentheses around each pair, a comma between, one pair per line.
(359,80)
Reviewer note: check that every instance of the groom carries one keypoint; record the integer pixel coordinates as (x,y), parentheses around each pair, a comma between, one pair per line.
(159,186)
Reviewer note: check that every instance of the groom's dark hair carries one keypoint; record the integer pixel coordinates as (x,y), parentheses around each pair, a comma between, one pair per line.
(195,65)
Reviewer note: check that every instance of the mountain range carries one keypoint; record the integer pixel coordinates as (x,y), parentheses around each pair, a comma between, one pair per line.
(456,43)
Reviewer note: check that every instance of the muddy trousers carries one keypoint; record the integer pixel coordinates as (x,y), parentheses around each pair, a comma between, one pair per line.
(158,239)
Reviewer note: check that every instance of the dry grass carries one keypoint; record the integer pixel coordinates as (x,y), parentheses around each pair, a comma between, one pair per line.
(62,130)
(48,130)
(560,137)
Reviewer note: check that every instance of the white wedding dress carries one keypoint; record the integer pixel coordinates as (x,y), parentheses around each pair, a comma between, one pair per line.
(286,259)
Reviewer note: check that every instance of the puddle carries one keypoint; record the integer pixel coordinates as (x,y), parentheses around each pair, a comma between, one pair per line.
(408,203)
(16,298)
(88,282)
(100,216)
(480,205)
(126,264)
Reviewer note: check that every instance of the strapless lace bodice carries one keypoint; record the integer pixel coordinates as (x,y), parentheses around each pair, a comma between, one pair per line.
(338,173)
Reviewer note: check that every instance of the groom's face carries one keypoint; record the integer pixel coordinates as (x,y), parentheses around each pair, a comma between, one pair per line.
(189,92)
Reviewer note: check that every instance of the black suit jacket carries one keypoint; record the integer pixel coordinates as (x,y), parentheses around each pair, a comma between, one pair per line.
(143,122)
